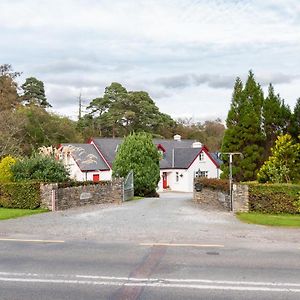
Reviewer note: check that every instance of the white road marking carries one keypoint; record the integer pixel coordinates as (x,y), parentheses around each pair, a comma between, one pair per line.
(151,282)
(31,241)
(183,245)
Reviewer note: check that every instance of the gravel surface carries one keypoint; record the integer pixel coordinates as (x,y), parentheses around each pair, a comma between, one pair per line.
(172,218)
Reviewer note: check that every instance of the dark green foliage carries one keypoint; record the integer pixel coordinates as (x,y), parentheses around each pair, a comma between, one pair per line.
(274,198)
(214,184)
(276,118)
(139,154)
(34,92)
(39,168)
(24,195)
(295,128)
(120,112)
(244,131)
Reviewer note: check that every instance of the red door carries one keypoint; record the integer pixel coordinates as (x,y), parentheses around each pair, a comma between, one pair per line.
(96,177)
(165,180)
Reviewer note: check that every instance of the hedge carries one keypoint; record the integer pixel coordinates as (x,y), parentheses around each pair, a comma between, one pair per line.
(213,183)
(67,184)
(24,195)
(274,198)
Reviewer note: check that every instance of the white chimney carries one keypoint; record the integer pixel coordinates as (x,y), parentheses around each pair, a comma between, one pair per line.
(197,145)
(177,137)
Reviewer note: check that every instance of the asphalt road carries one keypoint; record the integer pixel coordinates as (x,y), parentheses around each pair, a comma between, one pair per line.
(175,250)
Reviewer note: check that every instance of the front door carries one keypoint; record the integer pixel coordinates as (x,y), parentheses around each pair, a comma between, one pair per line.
(96,177)
(165,180)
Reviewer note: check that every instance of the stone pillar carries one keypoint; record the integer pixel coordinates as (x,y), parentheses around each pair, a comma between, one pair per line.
(240,198)
(46,194)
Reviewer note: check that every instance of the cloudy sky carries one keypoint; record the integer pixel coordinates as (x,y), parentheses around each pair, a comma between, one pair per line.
(185,53)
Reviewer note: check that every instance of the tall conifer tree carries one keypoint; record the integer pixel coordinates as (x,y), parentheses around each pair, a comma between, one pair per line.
(244,133)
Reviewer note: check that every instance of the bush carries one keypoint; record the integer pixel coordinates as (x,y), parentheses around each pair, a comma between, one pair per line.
(24,195)
(274,198)
(5,168)
(213,183)
(39,168)
(140,155)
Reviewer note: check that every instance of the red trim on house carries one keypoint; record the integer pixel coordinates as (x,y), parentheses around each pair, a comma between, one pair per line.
(160,146)
(205,150)
(208,154)
(99,151)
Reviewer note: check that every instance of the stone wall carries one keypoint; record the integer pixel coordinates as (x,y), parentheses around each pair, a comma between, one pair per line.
(214,199)
(68,197)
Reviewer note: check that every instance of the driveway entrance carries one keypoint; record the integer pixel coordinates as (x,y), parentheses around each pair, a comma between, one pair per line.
(172,218)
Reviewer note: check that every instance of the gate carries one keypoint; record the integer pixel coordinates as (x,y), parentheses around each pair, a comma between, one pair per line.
(128,187)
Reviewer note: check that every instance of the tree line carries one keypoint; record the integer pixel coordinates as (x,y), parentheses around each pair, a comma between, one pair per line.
(26,124)
(254,123)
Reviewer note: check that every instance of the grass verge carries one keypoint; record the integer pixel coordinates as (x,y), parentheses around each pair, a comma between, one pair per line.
(11,213)
(270,220)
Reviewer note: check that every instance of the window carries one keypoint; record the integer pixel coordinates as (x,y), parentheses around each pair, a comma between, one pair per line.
(201,156)
(201,173)
(177,176)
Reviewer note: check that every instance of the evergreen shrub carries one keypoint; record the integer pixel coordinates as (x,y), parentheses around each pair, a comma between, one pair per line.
(25,195)
(274,198)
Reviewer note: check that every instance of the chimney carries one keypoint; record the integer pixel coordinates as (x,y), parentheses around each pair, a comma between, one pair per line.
(197,145)
(177,137)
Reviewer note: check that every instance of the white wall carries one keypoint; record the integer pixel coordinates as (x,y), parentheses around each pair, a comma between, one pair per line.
(186,181)
(78,175)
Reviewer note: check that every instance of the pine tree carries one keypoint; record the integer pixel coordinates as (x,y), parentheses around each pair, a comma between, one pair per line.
(276,119)
(295,128)
(244,133)
(34,92)
(231,141)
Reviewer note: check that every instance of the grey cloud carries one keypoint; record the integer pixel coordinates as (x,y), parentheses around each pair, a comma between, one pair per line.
(276,78)
(64,67)
(187,80)
(218,81)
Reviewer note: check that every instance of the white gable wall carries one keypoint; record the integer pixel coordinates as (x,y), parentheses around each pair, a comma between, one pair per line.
(78,175)
(185,180)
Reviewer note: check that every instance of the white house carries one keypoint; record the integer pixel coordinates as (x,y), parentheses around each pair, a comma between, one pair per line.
(181,161)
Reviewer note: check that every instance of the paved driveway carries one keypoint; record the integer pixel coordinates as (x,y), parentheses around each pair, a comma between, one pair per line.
(172,218)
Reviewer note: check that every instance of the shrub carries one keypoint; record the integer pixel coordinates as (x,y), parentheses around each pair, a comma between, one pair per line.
(39,168)
(213,183)
(24,195)
(274,198)
(283,166)
(5,168)
(139,154)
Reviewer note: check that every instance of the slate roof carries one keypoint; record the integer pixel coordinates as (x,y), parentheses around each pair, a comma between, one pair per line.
(184,154)
(87,157)
(108,147)
(215,156)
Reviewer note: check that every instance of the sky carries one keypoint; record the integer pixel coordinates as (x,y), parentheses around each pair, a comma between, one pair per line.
(185,53)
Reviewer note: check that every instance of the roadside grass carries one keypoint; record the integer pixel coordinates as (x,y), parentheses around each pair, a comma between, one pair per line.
(134,198)
(286,220)
(11,213)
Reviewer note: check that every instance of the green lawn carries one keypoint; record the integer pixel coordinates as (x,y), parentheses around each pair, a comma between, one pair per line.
(271,220)
(10,213)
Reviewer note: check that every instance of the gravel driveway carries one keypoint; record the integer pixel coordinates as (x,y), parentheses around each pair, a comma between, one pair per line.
(172,218)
